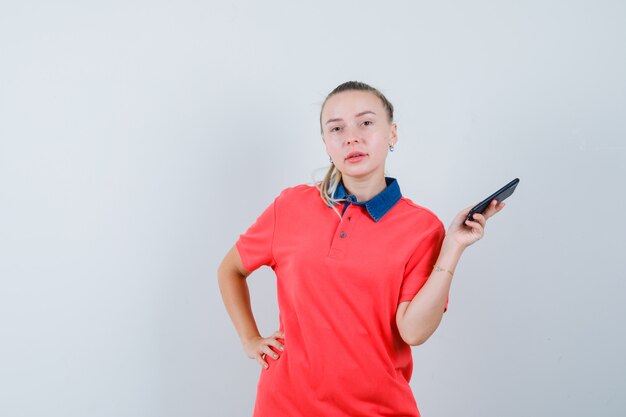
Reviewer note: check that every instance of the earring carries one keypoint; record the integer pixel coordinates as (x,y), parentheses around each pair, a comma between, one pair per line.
(330,159)
(391,148)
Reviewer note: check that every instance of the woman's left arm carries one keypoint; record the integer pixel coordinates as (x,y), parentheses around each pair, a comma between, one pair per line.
(418,319)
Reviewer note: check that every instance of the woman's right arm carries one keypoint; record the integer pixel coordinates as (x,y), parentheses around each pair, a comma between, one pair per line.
(236,296)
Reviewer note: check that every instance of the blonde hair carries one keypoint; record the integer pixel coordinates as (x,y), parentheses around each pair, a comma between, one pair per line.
(328,185)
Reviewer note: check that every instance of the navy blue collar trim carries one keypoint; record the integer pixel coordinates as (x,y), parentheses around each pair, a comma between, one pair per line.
(379,205)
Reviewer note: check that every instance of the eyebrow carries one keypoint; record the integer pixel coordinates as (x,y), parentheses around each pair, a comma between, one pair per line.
(356,115)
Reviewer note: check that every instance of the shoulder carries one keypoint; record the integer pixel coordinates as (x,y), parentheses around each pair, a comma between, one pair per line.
(421,215)
(298,194)
(299,202)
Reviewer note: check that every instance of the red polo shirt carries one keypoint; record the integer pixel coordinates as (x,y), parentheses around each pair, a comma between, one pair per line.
(339,283)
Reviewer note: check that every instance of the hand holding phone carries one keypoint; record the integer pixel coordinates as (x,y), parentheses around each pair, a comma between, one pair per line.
(499,195)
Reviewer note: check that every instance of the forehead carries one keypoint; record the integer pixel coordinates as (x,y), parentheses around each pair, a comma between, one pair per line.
(349,103)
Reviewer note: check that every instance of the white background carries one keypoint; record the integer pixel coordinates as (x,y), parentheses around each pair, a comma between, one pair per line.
(138,139)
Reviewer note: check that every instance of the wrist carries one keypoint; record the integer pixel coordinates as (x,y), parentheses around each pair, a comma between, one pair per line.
(250,338)
(449,256)
(450,246)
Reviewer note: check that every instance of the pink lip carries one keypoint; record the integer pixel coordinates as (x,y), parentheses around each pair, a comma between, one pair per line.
(355,156)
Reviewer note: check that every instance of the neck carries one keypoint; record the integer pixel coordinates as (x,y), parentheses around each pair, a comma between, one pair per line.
(364,188)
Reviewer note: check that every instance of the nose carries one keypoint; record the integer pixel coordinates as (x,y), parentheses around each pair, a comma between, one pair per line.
(351,138)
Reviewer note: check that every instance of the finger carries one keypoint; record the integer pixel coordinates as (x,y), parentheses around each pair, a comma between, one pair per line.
(477,227)
(480,219)
(268,351)
(494,207)
(476,218)
(276,344)
(260,358)
(279,334)
(469,223)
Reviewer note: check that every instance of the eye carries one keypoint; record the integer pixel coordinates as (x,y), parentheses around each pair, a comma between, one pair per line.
(335,129)
(368,123)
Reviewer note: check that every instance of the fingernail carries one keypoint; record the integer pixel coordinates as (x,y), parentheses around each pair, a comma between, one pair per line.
(265,366)
(275,356)
(281,347)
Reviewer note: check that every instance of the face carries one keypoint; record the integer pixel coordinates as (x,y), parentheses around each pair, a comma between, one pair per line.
(357,133)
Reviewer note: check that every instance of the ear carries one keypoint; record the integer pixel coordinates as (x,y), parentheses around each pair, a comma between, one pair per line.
(393,138)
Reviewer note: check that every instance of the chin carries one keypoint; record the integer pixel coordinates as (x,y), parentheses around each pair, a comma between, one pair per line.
(356,172)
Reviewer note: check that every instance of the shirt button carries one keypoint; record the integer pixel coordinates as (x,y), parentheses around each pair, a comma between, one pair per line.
(342,235)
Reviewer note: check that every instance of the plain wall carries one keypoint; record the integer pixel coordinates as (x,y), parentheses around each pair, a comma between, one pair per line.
(138,139)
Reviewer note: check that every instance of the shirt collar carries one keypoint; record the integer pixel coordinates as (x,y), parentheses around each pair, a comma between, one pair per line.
(377,206)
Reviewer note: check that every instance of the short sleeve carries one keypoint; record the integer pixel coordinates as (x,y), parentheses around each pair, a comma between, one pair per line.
(420,265)
(255,245)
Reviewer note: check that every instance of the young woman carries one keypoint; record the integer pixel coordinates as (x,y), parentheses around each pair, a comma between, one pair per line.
(363,274)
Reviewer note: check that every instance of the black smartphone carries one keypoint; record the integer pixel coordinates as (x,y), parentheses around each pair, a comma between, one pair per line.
(499,195)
